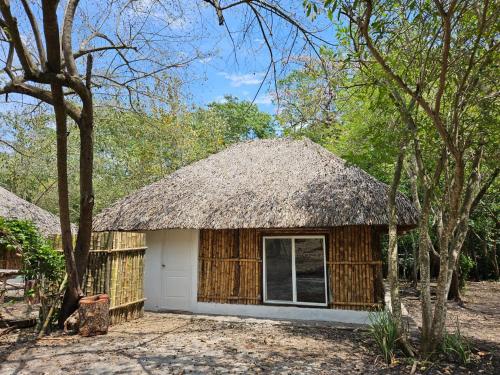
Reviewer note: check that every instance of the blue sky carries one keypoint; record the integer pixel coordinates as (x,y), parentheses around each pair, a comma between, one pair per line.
(234,59)
(240,71)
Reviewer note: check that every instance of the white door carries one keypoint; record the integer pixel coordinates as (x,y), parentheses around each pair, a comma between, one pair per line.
(176,270)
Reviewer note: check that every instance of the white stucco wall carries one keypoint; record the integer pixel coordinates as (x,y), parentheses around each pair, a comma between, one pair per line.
(152,270)
(172,258)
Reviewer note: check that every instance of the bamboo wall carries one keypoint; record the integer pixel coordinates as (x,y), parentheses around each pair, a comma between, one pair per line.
(230,265)
(10,260)
(354,268)
(116,267)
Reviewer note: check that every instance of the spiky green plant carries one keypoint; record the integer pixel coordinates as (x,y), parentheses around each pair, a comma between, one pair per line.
(456,346)
(383,330)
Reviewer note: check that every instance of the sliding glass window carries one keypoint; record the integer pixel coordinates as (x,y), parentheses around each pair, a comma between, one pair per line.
(295,270)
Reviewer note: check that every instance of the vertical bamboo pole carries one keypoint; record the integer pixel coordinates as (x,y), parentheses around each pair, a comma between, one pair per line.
(344,269)
(349,266)
(369,267)
(211,273)
(215,263)
(344,258)
(356,268)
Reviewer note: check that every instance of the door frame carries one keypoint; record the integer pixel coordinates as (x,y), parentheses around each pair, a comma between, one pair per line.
(294,273)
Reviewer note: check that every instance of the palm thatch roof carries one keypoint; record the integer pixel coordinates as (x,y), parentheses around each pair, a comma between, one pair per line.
(278,183)
(14,207)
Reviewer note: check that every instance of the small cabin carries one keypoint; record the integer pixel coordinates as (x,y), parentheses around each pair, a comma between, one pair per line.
(275,228)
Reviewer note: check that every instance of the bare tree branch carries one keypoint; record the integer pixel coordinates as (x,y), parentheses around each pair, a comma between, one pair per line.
(10,145)
(43,95)
(446,17)
(13,32)
(67,31)
(81,53)
(36,33)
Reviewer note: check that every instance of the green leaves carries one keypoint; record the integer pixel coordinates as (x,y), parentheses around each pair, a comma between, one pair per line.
(132,149)
(311,8)
(343,112)
(243,119)
(39,259)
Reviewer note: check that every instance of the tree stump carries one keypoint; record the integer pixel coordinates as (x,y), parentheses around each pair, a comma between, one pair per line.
(94,315)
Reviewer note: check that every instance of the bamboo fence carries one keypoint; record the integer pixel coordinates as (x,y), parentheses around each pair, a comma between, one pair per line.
(116,268)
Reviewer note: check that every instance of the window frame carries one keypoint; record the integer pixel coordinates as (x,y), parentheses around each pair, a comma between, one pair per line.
(294,271)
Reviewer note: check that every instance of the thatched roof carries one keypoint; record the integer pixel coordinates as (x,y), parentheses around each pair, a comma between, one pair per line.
(14,207)
(279,183)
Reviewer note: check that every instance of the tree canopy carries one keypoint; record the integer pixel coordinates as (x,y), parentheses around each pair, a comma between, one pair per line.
(132,149)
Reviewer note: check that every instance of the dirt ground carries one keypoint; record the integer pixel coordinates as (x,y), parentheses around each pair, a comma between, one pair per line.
(478,318)
(181,343)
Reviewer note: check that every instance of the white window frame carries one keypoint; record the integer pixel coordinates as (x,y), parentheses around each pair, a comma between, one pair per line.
(294,276)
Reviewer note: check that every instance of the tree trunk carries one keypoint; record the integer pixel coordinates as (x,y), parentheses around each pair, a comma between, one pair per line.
(452,237)
(494,261)
(83,240)
(393,275)
(73,291)
(425,280)
(454,293)
(86,189)
(392,253)
(53,46)
(443,280)
(82,247)
(415,263)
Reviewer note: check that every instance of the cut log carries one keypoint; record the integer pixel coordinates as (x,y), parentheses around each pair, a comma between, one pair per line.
(94,315)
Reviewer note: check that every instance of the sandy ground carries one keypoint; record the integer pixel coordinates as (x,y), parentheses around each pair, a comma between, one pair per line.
(179,344)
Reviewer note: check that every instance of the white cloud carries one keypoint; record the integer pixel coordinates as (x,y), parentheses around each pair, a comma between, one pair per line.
(220,99)
(177,19)
(238,80)
(264,99)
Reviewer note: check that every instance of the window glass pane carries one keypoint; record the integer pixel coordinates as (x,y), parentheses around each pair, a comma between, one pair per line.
(279,269)
(310,270)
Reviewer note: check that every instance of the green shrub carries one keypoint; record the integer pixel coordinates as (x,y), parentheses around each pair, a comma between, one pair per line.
(466,264)
(383,330)
(40,260)
(456,346)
